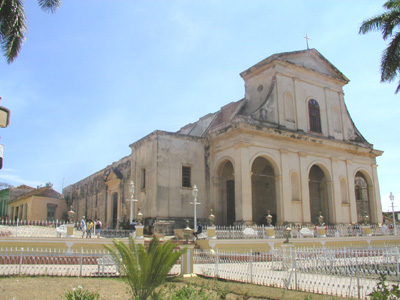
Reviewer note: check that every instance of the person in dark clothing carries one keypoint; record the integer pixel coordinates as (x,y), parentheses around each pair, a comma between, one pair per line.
(132,228)
(199,230)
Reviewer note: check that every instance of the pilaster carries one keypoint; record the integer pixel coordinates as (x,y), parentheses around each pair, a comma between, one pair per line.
(243,194)
(305,191)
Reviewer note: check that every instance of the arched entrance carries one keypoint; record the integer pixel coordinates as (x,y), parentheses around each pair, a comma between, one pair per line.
(115,210)
(319,201)
(263,191)
(226,208)
(362,197)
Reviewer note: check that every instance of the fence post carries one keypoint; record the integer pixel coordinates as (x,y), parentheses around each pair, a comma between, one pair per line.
(80,262)
(295,269)
(20,261)
(216,262)
(251,266)
(398,262)
(358,276)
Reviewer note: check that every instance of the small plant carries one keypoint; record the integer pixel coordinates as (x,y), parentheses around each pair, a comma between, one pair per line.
(188,292)
(222,292)
(383,292)
(79,293)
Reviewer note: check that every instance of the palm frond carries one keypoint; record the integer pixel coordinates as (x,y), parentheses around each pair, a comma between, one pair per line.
(49,5)
(390,61)
(371,24)
(391,21)
(145,269)
(12,28)
(392,4)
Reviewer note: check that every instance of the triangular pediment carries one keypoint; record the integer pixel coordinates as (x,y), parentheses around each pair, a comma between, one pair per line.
(113,175)
(307,59)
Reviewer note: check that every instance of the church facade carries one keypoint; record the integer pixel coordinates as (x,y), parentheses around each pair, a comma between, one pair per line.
(288,147)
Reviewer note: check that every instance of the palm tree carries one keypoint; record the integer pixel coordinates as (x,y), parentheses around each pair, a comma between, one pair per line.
(13,24)
(144,269)
(387,22)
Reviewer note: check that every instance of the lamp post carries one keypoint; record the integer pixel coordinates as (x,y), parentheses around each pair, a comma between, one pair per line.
(391,197)
(131,200)
(195,193)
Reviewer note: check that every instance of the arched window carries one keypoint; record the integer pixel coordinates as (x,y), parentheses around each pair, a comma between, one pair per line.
(314,115)
(362,199)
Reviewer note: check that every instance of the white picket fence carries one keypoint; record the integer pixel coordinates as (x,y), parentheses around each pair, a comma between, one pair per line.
(56,262)
(336,272)
(18,222)
(258,232)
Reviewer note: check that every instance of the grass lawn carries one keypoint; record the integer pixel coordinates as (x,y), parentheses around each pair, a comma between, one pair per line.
(46,288)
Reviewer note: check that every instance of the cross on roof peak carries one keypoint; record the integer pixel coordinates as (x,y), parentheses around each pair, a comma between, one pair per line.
(307,38)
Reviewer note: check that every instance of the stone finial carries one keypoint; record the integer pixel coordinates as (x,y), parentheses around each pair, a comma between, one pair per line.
(320,219)
(211,218)
(269,218)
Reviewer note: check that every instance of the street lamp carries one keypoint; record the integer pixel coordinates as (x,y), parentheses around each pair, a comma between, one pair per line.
(195,193)
(131,200)
(391,197)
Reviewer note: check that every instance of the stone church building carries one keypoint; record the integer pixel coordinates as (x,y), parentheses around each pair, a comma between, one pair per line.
(289,146)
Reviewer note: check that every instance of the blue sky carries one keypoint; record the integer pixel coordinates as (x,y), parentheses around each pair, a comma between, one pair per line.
(99,75)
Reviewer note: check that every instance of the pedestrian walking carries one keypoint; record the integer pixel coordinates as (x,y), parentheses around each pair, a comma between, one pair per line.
(83,226)
(97,227)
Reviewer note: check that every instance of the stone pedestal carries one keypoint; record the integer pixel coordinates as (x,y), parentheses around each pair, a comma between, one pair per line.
(270,232)
(70,230)
(187,261)
(366,229)
(139,232)
(211,233)
(321,231)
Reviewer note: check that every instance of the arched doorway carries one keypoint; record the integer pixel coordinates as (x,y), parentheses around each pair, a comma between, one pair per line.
(115,210)
(362,197)
(319,201)
(226,208)
(263,191)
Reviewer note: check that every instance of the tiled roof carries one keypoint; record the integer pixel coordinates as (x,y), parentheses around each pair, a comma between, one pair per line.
(46,191)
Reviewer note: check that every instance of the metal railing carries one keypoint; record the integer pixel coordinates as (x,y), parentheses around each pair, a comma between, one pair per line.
(56,262)
(337,272)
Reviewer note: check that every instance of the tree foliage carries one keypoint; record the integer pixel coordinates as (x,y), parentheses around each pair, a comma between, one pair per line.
(145,269)
(5,185)
(388,23)
(13,24)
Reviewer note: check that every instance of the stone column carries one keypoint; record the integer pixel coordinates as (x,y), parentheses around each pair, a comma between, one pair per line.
(139,232)
(70,230)
(187,262)
(243,194)
(270,232)
(376,197)
(211,233)
(366,229)
(321,231)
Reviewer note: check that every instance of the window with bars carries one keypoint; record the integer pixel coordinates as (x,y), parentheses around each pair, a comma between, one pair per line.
(314,115)
(186,174)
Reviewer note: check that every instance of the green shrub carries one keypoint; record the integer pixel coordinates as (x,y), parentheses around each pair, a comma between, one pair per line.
(79,293)
(383,292)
